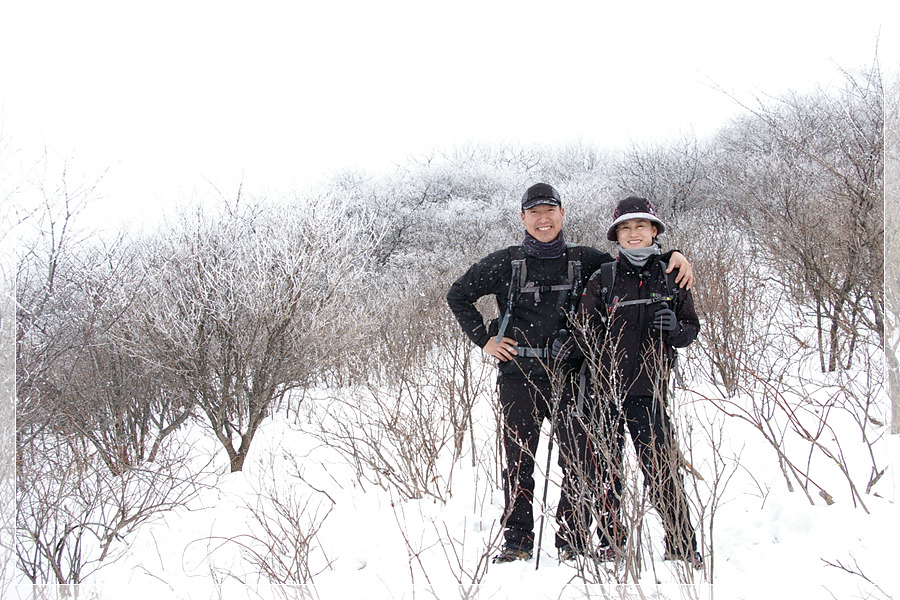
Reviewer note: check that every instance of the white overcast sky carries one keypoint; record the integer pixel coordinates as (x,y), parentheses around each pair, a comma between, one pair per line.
(168,94)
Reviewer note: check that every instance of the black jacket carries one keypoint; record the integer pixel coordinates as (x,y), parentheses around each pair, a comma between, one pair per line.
(630,357)
(537,317)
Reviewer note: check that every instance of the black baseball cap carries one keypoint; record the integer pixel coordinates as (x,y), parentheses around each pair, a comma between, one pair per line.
(540,193)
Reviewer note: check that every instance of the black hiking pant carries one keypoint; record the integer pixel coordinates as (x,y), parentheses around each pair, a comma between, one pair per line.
(524,405)
(593,477)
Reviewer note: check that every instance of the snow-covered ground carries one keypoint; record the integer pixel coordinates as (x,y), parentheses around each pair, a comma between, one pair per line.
(358,540)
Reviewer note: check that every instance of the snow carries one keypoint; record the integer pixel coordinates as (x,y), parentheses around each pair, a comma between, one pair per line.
(767,542)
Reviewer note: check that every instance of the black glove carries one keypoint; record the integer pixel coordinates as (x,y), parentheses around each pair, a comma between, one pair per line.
(560,350)
(665,320)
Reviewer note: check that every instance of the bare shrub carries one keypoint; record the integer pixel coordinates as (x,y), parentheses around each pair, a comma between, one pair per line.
(738,305)
(50,273)
(805,174)
(675,176)
(7,413)
(406,426)
(799,419)
(74,516)
(394,437)
(870,588)
(892,243)
(238,306)
(285,519)
(92,455)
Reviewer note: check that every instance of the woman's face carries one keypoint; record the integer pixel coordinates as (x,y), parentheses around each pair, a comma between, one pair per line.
(636,233)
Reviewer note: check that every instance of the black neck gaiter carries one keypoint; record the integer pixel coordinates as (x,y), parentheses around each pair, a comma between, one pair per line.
(539,249)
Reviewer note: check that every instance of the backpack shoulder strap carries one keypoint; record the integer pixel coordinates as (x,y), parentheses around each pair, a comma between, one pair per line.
(606,276)
(574,255)
(517,254)
(607,279)
(516,283)
(671,286)
(573,276)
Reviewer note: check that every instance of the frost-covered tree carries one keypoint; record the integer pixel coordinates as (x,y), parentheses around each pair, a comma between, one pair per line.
(892,244)
(806,175)
(90,464)
(674,175)
(245,304)
(7,375)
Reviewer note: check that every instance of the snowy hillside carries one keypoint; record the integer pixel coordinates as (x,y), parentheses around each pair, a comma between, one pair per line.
(354,539)
(267,397)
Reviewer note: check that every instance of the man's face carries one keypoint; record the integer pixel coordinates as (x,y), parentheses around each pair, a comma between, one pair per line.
(636,233)
(543,222)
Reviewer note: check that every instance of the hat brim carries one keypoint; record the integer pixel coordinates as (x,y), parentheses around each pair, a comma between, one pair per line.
(611,233)
(535,201)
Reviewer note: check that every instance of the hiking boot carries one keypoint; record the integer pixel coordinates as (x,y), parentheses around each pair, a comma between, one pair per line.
(567,553)
(607,554)
(694,558)
(509,554)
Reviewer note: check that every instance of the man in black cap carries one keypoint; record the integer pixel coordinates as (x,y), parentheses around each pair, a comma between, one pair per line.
(537,286)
